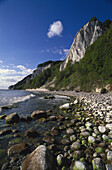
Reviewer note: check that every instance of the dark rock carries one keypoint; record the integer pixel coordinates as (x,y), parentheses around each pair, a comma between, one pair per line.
(103,90)
(77,155)
(60,118)
(12,118)
(31,133)
(70,131)
(14,167)
(48,139)
(5,166)
(9,107)
(65,142)
(54,132)
(98,164)
(75,146)
(52,118)
(26,119)
(5,132)
(21,148)
(49,97)
(40,159)
(62,127)
(2,116)
(15,130)
(39,114)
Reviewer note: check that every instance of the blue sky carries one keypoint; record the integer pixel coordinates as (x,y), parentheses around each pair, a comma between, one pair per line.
(34,31)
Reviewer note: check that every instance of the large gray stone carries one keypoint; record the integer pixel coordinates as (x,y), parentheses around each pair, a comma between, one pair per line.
(98,164)
(65,106)
(12,118)
(77,165)
(39,159)
(39,114)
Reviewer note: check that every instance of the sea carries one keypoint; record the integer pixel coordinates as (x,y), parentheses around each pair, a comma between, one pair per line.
(26,103)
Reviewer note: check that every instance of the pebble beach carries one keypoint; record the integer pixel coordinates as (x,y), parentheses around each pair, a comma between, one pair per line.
(78,135)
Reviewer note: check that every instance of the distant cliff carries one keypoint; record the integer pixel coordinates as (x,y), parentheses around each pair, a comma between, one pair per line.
(83,39)
(32,77)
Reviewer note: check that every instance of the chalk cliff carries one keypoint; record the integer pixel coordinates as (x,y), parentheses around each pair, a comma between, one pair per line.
(83,39)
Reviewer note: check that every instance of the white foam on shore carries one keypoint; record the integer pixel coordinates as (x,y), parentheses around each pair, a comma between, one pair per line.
(61,96)
(13,100)
(21,99)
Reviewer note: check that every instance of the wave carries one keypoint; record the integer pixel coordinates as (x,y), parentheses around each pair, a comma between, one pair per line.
(21,99)
(14,100)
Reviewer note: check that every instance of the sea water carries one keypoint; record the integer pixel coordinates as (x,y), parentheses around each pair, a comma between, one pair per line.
(27,102)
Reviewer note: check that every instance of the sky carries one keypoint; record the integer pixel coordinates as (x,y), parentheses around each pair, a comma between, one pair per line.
(35,31)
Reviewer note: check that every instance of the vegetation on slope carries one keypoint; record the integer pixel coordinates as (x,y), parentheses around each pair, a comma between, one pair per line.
(95,69)
(44,77)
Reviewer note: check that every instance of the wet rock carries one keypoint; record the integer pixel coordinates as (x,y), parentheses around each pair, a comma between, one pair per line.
(9,107)
(73,138)
(5,166)
(105,137)
(39,114)
(99,150)
(91,139)
(5,132)
(63,127)
(76,101)
(12,118)
(21,148)
(15,130)
(59,159)
(77,165)
(88,124)
(65,142)
(52,118)
(2,116)
(109,126)
(14,159)
(85,134)
(48,139)
(75,146)
(54,132)
(49,97)
(109,156)
(77,155)
(31,133)
(108,167)
(40,159)
(65,106)
(60,118)
(14,167)
(69,131)
(98,164)
(26,119)
(102,129)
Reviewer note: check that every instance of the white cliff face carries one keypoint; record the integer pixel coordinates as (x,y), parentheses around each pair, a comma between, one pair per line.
(83,39)
(39,70)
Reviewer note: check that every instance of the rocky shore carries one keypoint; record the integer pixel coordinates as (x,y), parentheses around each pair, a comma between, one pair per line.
(80,137)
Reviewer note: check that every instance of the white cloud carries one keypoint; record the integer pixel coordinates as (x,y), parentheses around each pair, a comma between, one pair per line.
(1,61)
(6,81)
(66,51)
(7,71)
(21,67)
(9,76)
(55,29)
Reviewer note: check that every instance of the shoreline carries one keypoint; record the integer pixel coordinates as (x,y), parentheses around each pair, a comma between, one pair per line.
(83,130)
